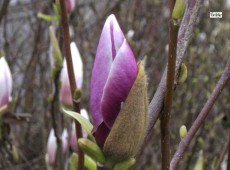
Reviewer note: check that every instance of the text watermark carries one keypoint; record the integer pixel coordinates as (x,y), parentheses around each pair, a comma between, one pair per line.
(215,14)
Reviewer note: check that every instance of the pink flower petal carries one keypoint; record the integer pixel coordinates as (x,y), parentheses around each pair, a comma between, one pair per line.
(6,82)
(110,41)
(120,81)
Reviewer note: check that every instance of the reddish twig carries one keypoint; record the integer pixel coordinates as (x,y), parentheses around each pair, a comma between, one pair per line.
(3,9)
(221,157)
(184,37)
(73,86)
(165,117)
(56,121)
(201,117)
(228,165)
(166,114)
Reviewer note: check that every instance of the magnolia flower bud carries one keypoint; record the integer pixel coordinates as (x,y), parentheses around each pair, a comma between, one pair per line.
(200,162)
(183,131)
(5,82)
(70,5)
(125,165)
(113,75)
(73,161)
(91,149)
(51,148)
(64,139)
(65,92)
(73,137)
(118,95)
(183,74)
(56,59)
(179,8)
(15,154)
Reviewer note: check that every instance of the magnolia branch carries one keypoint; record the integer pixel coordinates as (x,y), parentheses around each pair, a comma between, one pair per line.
(221,157)
(184,37)
(3,9)
(225,77)
(165,117)
(73,86)
(228,164)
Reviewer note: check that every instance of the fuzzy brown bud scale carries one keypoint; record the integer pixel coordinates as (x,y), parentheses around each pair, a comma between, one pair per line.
(129,128)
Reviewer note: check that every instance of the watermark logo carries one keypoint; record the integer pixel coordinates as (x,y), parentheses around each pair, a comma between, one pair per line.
(215,14)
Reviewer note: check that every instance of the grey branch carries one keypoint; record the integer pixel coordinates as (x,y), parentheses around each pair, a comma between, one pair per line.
(184,37)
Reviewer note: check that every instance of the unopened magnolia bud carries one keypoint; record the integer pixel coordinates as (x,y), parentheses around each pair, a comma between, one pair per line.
(183,73)
(201,142)
(179,8)
(44,16)
(73,161)
(92,150)
(53,73)
(200,162)
(48,166)
(58,7)
(57,52)
(125,165)
(14,152)
(89,163)
(50,98)
(3,109)
(129,127)
(183,131)
(77,94)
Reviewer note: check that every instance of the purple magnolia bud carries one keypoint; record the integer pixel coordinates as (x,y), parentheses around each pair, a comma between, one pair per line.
(65,92)
(51,148)
(64,139)
(114,72)
(70,5)
(73,137)
(5,82)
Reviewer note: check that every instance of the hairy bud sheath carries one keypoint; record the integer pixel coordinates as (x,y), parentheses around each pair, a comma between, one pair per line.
(129,128)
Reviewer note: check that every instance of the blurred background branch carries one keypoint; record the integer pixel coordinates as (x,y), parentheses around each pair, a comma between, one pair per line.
(3,9)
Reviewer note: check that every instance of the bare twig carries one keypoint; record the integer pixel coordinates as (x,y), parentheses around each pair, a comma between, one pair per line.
(184,37)
(221,157)
(165,118)
(3,9)
(201,117)
(56,120)
(228,165)
(73,86)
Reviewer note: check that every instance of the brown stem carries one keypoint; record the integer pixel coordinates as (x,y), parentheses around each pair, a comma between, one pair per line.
(171,5)
(56,121)
(165,117)
(228,165)
(184,37)
(3,9)
(201,117)
(221,157)
(73,86)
